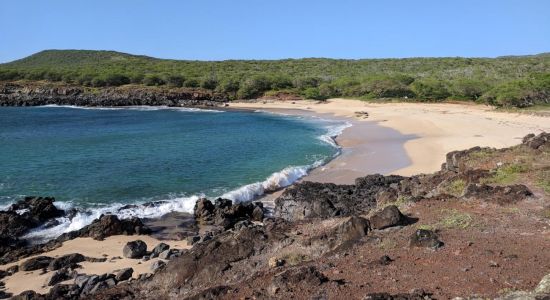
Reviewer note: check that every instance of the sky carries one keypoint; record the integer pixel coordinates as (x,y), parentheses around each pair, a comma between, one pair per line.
(261,29)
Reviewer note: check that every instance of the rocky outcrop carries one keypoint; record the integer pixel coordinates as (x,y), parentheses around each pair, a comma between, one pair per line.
(27,214)
(323,200)
(497,194)
(14,94)
(537,141)
(226,214)
(107,225)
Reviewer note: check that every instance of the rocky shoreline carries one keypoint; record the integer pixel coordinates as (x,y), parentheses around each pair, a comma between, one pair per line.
(35,94)
(383,237)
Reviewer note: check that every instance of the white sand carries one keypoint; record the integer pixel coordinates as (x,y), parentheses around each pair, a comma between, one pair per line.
(436,129)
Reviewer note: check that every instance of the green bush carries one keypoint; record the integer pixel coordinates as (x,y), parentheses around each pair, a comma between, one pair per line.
(153,80)
(430,89)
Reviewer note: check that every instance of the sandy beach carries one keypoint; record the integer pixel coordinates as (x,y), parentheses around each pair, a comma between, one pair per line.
(110,248)
(407,138)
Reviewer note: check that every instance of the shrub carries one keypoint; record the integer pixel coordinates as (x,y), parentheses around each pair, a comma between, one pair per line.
(209,83)
(430,89)
(174,80)
(153,80)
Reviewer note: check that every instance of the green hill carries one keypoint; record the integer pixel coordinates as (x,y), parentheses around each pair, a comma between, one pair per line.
(511,80)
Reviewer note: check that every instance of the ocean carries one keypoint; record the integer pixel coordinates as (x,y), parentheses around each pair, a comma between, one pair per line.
(99,160)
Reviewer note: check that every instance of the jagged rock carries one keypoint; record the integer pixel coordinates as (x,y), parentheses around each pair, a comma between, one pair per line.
(216,292)
(108,225)
(536,141)
(81,280)
(352,229)
(454,160)
(58,276)
(157,265)
(301,275)
(134,249)
(27,214)
(226,214)
(64,261)
(543,288)
(425,238)
(498,194)
(387,217)
(36,263)
(159,249)
(124,274)
(89,284)
(322,200)
(95,259)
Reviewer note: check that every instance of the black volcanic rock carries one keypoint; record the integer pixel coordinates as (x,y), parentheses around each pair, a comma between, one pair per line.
(134,249)
(387,217)
(107,225)
(27,214)
(498,194)
(226,214)
(322,200)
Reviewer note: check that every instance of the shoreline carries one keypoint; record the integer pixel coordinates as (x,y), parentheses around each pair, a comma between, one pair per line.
(420,128)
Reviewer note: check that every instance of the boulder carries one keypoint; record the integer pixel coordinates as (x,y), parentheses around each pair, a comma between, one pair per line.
(124,274)
(352,229)
(65,261)
(159,249)
(134,249)
(387,217)
(425,239)
(36,263)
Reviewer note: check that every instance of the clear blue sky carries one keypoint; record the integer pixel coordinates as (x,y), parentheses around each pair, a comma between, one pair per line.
(248,29)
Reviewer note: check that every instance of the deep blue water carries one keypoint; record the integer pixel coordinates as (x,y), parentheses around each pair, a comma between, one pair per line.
(102,158)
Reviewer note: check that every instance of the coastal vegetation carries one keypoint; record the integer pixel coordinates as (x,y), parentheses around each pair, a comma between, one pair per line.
(512,81)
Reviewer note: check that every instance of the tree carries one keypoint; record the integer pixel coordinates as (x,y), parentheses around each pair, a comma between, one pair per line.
(209,83)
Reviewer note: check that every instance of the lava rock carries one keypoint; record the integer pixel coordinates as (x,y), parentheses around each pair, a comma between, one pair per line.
(58,276)
(108,225)
(425,238)
(36,263)
(225,214)
(159,249)
(387,217)
(323,200)
(536,141)
(124,274)
(134,249)
(169,254)
(64,261)
(302,275)
(352,229)
(501,195)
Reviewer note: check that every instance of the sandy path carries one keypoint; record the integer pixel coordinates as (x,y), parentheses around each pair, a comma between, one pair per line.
(430,130)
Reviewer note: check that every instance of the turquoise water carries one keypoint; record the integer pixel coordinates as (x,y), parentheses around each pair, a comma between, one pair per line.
(101,159)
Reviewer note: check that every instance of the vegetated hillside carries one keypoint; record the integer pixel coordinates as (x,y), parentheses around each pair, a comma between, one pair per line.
(507,81)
